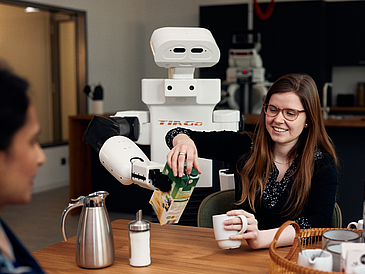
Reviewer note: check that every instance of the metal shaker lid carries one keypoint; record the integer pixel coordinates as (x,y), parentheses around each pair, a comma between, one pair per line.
(139,225)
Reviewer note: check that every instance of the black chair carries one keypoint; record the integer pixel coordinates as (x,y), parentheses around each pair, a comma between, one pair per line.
(216,203)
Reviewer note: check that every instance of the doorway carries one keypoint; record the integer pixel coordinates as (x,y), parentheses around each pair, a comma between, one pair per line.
(47,47)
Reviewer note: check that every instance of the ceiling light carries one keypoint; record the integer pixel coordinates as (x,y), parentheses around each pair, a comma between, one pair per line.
(31,9)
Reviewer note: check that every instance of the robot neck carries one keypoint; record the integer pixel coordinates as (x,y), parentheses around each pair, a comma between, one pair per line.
(181,73)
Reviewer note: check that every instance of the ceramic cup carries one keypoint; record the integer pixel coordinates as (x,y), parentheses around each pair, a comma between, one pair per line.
(356,225)
(309,258)
(335,237)
(222,235)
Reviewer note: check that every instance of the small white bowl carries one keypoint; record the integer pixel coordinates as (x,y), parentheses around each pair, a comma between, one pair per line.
(323,263)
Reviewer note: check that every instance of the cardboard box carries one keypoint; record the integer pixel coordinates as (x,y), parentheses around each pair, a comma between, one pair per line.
(352,256)
(169,206)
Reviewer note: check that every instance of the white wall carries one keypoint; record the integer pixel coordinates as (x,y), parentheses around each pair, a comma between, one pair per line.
(54,173)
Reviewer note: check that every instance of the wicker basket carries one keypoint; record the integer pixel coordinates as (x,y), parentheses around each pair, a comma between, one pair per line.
(288,263)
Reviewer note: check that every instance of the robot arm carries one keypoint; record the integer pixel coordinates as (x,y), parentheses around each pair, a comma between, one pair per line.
(121,156)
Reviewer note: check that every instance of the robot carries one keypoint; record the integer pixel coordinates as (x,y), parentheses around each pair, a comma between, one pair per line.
(179,100)
(245,75)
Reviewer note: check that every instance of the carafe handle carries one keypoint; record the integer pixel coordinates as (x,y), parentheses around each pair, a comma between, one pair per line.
(79,202)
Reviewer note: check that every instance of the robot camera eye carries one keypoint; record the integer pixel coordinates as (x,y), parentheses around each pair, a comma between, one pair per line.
(179,50)
(197,50)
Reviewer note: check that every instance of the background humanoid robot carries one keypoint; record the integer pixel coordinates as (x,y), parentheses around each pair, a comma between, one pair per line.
(245,86)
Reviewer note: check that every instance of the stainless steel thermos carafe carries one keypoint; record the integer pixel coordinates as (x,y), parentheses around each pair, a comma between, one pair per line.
(94,240)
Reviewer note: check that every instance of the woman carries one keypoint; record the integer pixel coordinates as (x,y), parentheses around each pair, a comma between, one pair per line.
(20,156)
(285,171)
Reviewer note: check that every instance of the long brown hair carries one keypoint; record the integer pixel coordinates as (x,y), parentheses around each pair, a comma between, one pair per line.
(259,162)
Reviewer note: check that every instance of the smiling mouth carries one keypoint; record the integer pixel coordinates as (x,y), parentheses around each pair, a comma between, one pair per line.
(279,129)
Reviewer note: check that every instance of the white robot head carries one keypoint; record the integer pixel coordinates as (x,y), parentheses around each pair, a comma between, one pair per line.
(184,48)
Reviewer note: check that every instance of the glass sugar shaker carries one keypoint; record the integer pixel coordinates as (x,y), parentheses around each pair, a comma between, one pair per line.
(139,241)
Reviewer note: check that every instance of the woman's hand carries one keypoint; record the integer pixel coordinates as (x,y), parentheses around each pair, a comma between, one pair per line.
(256,238)
(184,148)
(252,234)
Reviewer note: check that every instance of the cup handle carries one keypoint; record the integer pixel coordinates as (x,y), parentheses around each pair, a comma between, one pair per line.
(244,224)
(352,225)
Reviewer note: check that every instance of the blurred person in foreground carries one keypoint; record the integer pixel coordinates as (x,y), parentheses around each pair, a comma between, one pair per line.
(20,156)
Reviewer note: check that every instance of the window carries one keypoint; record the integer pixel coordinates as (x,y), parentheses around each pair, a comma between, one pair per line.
(48,48)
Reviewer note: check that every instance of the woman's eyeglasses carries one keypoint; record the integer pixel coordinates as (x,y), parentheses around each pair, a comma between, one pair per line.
(288,113)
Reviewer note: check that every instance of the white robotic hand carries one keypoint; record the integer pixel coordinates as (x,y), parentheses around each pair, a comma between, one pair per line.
(128,164)
(121,156)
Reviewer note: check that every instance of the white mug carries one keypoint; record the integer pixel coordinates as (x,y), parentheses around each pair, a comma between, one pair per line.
(222,235)
(356,225)
(323,263)
(360,269)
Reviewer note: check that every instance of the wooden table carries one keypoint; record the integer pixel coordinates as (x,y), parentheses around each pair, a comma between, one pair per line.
(174,249)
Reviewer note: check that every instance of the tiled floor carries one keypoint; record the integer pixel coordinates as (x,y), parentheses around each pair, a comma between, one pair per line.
(37,224)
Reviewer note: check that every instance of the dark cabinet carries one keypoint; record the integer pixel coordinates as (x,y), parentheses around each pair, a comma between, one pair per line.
(223,22)
(292,38)
(291,42)
(345,33)
(300,36)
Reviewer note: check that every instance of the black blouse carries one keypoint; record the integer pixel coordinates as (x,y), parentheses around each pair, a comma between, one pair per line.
(229,146)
